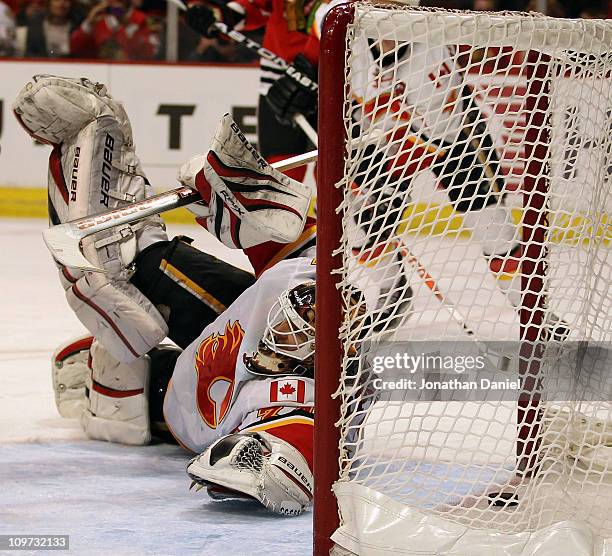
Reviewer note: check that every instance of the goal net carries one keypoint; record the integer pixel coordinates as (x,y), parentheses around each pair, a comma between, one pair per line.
(464,283)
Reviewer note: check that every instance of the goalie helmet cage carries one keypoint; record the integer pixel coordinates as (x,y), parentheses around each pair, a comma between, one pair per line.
(486,476)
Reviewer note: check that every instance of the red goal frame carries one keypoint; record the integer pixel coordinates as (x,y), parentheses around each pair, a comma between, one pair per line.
(328,356)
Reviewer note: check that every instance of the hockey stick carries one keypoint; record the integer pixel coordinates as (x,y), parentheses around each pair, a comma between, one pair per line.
(262,52)
(258,49)
(64,240)
(450,306)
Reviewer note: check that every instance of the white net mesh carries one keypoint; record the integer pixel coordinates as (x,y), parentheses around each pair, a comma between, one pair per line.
(476,214)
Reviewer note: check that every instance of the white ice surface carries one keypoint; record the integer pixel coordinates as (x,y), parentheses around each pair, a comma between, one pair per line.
(110,499)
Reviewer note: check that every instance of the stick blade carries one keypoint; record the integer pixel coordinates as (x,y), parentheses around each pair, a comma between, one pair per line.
(65,247)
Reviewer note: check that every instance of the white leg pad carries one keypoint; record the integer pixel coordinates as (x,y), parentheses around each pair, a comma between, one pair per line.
(53,108)
(108,305)
(118,315)
(118,404)
(94,168)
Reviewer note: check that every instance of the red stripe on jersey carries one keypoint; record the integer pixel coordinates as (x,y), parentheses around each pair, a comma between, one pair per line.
(299,435)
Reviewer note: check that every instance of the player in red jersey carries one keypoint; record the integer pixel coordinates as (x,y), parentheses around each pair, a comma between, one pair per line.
(291,32)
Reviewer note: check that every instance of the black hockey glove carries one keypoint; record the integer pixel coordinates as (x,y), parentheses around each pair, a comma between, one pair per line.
(202,17)
(383,209)
(289,96)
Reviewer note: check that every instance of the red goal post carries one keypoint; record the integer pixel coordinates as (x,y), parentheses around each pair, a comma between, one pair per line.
(328,355)
(546,222)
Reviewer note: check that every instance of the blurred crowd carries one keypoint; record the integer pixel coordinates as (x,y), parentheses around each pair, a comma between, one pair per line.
(104,29)
(136,29)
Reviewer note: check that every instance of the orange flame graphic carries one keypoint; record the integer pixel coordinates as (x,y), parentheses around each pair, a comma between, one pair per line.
(215,361)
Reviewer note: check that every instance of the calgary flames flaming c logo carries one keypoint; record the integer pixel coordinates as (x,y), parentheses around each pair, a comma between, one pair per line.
(215,365)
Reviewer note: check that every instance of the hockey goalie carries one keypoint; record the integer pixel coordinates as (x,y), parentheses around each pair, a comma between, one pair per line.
(238,389)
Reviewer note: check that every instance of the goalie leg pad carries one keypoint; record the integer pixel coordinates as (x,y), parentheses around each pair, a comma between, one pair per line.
(117,314)
(118,399)
(69,372)
(52,108)
(97,170)
(258,465)
(248,202)
(104,173)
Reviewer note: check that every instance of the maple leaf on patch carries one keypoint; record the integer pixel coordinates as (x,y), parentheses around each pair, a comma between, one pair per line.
(287,389)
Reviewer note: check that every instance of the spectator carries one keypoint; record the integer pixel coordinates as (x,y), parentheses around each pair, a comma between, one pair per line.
(29,9)
(7,30)
(116,30)
(47,34)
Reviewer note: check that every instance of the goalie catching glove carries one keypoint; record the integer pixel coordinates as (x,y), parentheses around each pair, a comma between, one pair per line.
(201,17)
(258,465)
(245,202)
(294,93)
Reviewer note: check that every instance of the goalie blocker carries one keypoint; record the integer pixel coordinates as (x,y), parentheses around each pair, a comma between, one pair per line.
(246,202)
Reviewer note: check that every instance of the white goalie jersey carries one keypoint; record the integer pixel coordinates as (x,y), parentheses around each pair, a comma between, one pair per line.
(212,393)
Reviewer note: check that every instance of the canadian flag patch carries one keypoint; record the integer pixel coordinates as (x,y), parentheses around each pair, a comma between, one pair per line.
(287,390)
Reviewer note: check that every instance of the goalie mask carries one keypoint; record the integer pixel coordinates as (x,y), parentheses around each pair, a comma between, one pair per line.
(288,343)
(287,346)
